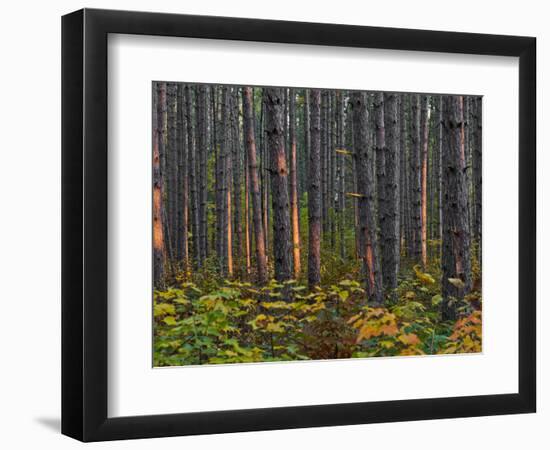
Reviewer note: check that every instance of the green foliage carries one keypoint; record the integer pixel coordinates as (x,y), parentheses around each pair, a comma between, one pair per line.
(214,321)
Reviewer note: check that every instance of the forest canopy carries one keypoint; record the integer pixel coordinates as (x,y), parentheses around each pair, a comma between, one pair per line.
(299,224)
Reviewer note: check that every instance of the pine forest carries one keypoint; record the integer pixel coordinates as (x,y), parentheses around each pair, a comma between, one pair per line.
(313,224)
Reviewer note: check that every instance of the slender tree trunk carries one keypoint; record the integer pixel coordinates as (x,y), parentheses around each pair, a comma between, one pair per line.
(476,166)
(171,167)
(248,110)
(415,180)
(390,248)
(294,204)
(424,120)
(194,208)
(202,120)
(159,102)
(366,210)
(273,98)
(314,190)
(384,228)
(183,184)
(403,169)
(341,174)
(247,231)
(237,178)
(455,264)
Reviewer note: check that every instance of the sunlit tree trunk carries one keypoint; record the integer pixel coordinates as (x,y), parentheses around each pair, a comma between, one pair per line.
(159,102)
(294,205)
(366,211)
(248,110)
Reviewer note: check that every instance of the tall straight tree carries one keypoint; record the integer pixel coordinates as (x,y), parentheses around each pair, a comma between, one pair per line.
(202,150)
(390,245)
(366,211)
(194,207)
(222,182)
(380,155)
(182,184)
(159,102)
(237,179)
(171,168)
(248,110)
(314,189)
(455,261)
(424,124)
(476,174)
(273,99)
(415,180)
(294,204)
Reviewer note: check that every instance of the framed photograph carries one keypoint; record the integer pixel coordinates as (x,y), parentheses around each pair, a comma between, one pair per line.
(273,224)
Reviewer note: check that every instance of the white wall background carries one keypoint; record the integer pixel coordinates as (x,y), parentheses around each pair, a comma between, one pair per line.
(30,230)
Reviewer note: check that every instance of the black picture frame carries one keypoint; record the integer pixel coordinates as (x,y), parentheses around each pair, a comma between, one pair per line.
(84,224)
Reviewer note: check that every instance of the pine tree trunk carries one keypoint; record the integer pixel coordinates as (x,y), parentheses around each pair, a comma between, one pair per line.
(390,248)
(159,102)
(424,121)
(415,181)
(202,120)
(314,190)
(248,110)
(275,136)
(366,211)
(294,205)
(476,175)
(455,263)
(237,178)
(403,169)
(183,185)
(194,208)
(171,167)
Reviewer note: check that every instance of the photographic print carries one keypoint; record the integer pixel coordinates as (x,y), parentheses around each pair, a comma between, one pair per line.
(314,224)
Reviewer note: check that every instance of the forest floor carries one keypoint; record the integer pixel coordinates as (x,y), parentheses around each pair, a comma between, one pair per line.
(205,319)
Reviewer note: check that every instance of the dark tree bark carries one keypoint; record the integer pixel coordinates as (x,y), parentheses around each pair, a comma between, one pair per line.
(222,183)
(202,149)
(366,211)
(183,185)
(424,121)
(403,170)
(237,179)
(476,174)
(194,208)
(341,173)
(171,175)
(415,181)
(294,204)
(324,151)
(273,98)
(159,102)
(248,110)
(390,246)
(455,263)
(314,190)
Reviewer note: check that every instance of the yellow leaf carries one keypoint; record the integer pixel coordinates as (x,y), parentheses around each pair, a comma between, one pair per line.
(169,320)
(456,282)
